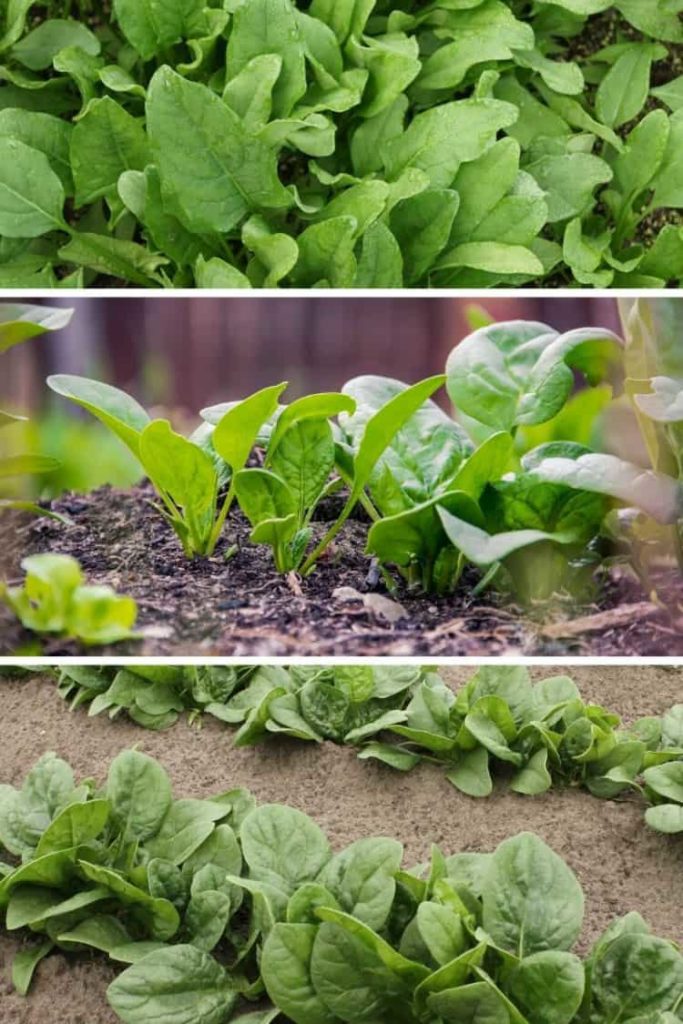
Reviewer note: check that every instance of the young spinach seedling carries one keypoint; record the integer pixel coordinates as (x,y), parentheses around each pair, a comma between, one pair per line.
(184,475)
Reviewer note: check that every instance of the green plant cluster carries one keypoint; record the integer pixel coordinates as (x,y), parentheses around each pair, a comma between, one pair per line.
(515,484)
(341,143)
(56,599)
(536,735)
(218,903)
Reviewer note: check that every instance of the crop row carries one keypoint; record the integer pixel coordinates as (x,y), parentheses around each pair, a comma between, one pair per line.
(217,903)
(537,735)
(510,485)
(341,143)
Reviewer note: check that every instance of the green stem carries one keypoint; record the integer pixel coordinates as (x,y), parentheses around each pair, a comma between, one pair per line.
(309,564)
(218,525)
(369,507)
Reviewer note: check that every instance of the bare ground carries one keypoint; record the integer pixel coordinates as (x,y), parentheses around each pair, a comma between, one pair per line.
(621,864)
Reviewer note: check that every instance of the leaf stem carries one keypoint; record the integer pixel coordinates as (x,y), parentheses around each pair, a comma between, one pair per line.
(222,516)
(310,562)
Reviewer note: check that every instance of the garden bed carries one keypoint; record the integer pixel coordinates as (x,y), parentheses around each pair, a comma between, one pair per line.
(243,607)
(621,865)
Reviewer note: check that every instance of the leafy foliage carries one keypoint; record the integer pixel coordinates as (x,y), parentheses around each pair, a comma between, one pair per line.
(507,486)
(279,498)
(55,599)
(267,143)
(216,903)
(499,723)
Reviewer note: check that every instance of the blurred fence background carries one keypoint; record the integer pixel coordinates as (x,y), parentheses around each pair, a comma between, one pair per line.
(189,352)
(177,355)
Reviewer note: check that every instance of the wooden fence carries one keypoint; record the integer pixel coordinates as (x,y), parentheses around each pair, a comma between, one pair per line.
(196,351)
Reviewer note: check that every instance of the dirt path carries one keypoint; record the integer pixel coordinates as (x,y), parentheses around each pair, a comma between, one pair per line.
(242,607)
(621,865)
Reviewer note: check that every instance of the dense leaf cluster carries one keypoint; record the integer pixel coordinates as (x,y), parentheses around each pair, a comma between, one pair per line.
(514,484)
(538,735)
(216,903)
(341,143)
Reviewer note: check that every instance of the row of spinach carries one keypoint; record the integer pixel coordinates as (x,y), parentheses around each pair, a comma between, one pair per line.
(536,735)
(512,484)
(218,906)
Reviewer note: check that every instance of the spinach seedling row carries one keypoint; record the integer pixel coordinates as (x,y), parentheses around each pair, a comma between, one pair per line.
(270,143)
(215,907)
(515,484)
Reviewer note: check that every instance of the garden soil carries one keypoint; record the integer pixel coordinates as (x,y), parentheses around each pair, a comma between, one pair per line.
(239,606)
(621,864)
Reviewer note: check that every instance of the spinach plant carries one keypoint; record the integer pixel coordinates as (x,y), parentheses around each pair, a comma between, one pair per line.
(653,496)
(152,695)
(123,869)
(280,498)
(272,143)
(455,491)
(55,599)
(183,471)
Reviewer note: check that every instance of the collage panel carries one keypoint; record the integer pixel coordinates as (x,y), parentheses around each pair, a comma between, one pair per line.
(398,476)
(341,144)
(341,842)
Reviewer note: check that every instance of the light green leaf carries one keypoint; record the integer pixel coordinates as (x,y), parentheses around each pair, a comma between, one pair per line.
(484,549)
(113,407)
(190,127)
(569,182)
(487,32)
(178,984)
(657,494)
(152,26)
(139,792)
(114,257)
(623,91)
(106,142)
(31,194)
(37,49)
(439,140)
(44,132)
(270,27)
(326,254)
(532,901)
(283,847)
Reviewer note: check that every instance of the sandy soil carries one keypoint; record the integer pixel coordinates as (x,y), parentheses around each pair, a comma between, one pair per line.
(621,865)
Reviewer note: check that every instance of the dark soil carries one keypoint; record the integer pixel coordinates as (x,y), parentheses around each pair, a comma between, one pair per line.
(242,607)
